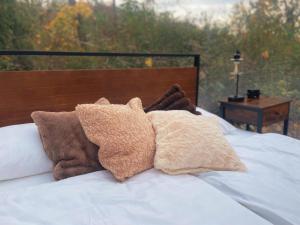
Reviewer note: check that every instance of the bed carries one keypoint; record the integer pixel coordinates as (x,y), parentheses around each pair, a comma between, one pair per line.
(268,193)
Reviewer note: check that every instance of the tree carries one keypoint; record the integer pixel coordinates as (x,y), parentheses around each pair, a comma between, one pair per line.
(64,30)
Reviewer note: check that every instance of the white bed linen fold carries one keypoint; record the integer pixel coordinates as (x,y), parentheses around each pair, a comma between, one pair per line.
(148,198)
(271,186)
(14,185)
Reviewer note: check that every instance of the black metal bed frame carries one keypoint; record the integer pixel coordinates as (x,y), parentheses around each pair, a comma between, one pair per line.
(111,54)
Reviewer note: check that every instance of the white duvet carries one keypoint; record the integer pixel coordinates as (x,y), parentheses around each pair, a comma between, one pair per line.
(148,198)
(271,186)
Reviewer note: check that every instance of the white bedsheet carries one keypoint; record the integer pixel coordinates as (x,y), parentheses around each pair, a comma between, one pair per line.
(14,185)
(271,186)
(148,198)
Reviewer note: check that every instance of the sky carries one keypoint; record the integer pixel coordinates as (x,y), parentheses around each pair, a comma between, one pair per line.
(216,9)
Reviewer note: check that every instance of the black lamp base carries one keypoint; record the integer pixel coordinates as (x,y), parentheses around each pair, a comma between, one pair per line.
(236,98)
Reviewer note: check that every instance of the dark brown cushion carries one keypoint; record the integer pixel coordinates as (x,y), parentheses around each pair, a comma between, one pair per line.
(173,99)
(66,144)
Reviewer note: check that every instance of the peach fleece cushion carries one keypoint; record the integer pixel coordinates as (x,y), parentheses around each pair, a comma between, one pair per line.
(186,143)
(66,144)
(124,134)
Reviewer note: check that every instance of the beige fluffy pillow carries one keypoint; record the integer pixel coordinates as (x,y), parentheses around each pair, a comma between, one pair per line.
(186,143)
(124,134)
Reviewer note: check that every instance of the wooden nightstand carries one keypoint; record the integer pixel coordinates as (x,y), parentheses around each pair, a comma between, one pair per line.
(259,112)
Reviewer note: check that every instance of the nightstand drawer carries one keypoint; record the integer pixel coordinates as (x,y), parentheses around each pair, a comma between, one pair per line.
(276,114)
(241,115)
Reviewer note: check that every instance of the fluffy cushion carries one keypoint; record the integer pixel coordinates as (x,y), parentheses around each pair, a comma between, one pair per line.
(173,99)
(187,143)
(66,144)
(124,134)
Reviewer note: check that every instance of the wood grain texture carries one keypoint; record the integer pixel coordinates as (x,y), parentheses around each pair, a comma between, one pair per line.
(272,109)
(276,113)
(262,103)
(241,115)
(21,93)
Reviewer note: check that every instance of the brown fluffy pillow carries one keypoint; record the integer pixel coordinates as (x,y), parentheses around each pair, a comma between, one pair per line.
(173,99)
(186,143)
(66,144)
(124,134)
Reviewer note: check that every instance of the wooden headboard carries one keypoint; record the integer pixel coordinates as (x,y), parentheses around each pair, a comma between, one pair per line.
(24,92)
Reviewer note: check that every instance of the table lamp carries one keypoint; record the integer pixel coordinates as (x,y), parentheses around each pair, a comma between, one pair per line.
(236,73)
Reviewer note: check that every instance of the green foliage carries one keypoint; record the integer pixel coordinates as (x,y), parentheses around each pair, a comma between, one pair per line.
(267,32)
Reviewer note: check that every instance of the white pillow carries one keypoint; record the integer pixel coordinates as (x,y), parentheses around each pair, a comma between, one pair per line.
(224,125)
(21,152)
